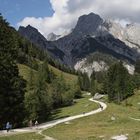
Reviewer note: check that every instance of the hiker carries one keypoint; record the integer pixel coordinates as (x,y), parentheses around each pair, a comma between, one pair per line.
(36,123)
(8,126)
(101,107)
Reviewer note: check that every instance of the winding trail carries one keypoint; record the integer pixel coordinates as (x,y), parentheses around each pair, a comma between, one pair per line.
(50,124)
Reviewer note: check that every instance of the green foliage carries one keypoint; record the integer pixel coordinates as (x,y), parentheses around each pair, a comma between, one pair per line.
(96,85)
(46,92)
(12,86)
(68,93)
(48,74)
(38,101)
(84,81)
(98,56)
(118,83)
(136,80)
(137,66)
(93,84)
(77,91)
(59,92)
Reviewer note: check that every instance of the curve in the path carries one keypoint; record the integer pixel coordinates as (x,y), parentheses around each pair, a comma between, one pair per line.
(55,122)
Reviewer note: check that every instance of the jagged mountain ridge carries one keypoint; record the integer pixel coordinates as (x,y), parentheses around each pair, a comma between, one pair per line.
(91,26)
(93,34)
(129,34)
(37,38)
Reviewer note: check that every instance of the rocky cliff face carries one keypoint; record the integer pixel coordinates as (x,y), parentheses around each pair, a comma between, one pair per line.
(88,25)
(129,34)
(92,35)
(37,38)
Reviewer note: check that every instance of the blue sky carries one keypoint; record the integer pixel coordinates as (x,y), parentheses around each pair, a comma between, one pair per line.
(16,10)
(59,16)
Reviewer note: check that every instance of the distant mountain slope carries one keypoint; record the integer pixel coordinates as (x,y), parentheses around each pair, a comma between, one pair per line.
(36,37)
(92,34)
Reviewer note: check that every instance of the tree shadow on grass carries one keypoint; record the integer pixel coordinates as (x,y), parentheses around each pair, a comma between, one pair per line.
(55,115)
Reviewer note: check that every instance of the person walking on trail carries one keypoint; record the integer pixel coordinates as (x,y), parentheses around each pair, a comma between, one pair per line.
(8,126)
(101,107)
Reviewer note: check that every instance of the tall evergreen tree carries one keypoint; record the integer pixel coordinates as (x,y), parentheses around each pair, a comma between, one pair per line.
(137,66)
(92,83)
(118,85)
(58,87)
(12,86)
(38,101)
(46,71)
(84,81)
(77,91)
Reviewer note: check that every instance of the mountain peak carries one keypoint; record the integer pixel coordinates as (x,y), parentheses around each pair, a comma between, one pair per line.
(27,28)
(88,24)
(31,33)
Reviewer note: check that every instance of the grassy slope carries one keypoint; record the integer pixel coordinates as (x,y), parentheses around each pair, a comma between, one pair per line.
(100,125)
(70,78)
(25,72)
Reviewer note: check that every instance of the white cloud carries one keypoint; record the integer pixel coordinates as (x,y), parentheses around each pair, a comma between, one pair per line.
(66,13)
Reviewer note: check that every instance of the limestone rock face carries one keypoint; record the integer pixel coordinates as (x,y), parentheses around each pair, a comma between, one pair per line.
(96,66)
(130,34)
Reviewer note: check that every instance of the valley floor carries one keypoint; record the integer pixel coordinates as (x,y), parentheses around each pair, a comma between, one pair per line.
(114,121)
(81,105)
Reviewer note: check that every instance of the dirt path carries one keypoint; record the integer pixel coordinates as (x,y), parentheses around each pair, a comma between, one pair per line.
(50,124)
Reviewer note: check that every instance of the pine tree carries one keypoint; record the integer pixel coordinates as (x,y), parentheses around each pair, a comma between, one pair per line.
(58,87)
(84,81)
(137,66)
(12,86)
(92,83)
(118,85)
(38,101)
(80,81)
(46,71)
(77,91)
